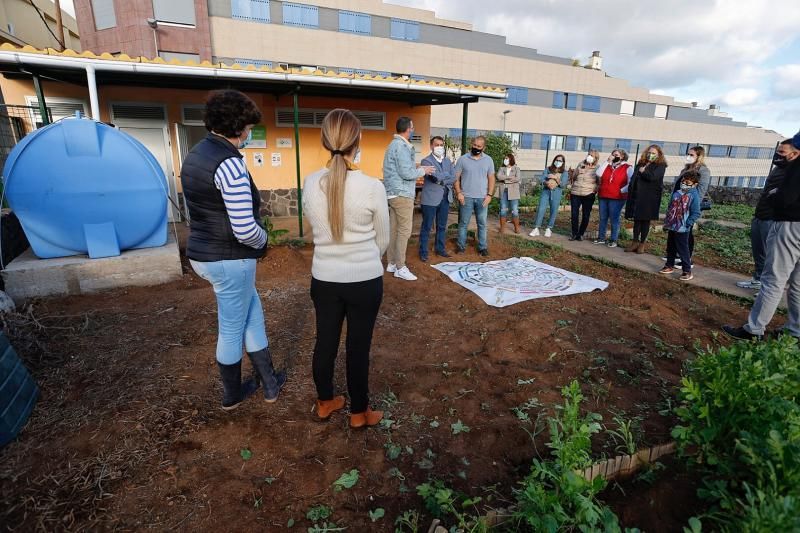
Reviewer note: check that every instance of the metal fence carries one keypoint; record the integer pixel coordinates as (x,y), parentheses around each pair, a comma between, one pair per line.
(16,121)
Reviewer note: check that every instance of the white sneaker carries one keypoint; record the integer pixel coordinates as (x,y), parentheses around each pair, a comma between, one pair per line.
(391,268)
(548,233)
(405,273)
(534,233)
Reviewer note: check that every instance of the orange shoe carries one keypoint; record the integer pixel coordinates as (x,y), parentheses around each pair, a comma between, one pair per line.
(325,408)
(367,418)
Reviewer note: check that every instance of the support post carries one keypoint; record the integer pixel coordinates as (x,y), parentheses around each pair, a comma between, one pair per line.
(465,115)
(297,162)
(91,82)
(636,159)
(37,87)
(62,43)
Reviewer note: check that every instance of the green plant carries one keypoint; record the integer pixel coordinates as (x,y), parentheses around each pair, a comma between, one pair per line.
(497,146)
(408,522)
(319,512)
(273,235)
(325,527)
(377,514)
(624,436)
(459,427)
(245,454)
(443,502)
(347,480)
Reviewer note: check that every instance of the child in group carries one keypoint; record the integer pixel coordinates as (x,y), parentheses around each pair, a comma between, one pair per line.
(683,212)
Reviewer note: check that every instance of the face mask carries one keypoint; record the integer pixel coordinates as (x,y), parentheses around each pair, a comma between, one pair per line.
(506,161)
(779,160)
(652,157)
(357,156)
(590,159)
(686,186)
(690,159)
(558,164)
(438,151)
(616,159)
(476,151)
(243,143)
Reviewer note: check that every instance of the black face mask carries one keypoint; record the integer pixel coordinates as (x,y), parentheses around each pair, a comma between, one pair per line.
(779,160)
(616,159)
(476,151)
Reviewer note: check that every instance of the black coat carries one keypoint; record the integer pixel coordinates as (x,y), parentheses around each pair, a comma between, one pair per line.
(644,193)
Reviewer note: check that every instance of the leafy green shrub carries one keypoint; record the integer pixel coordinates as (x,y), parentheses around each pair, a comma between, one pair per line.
(443,502)
(740,425)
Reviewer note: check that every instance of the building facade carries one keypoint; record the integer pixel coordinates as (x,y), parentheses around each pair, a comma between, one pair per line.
(553,106)
(21,24)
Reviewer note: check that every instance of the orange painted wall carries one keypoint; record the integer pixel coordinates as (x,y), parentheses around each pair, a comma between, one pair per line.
(312,155)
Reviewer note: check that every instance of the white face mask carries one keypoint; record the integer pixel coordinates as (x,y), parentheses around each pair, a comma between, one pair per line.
(506,161)
(438,151)
(690,159)
(243,143)
(357,156)
(590,159)
(558,164)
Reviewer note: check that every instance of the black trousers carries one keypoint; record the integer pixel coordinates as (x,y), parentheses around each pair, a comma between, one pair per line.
(678,246)
(585,204)
(359,303)
(641,229)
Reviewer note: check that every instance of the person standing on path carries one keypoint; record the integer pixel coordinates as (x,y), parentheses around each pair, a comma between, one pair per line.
(683,212)
(400,174)
(695,160)
(226,239)
(583,189)
(782,264)
(644,195)
(507,191)
(764,214)
(554,180)
(474,185)
(437,195)
(350,222)
(614,175)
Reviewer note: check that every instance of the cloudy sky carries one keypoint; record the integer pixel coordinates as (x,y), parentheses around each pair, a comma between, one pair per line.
(743,55)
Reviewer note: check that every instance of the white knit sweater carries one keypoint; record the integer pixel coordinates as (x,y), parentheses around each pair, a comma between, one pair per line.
(366,229)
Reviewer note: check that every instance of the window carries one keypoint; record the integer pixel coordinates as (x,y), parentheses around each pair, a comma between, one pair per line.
(300,15)
(406,30)
(718,150)
(575,144)
(104,15)
(594,143)
(258,63)
(515,138)
(57,108)
(740,181)
(565,101)
(591,103)
(627,107)
(545,142)
(517,95)
(312,118)
(761,181)
(252,10)
(684,148)
(527,141)
(660,144)
(624,144)
(661,111)
(192,115)
(558,100)
(351,22)
(175,11)
(180,56)
(572,101)
(558,142)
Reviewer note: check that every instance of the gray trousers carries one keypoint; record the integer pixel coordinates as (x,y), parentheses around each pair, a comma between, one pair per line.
(759,231)
(781,267)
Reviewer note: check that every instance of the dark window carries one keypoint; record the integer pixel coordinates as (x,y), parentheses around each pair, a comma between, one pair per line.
(591,103)
(351,22)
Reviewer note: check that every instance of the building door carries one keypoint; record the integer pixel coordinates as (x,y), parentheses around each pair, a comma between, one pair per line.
(147,123)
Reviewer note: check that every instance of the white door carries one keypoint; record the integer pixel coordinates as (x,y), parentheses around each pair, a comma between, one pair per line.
(147,123)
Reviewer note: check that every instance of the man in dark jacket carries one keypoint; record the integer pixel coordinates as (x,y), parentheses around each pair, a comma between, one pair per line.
(782,265)
(437,195)
(764,216)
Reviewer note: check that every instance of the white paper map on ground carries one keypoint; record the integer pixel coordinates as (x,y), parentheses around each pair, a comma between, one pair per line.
(514,280)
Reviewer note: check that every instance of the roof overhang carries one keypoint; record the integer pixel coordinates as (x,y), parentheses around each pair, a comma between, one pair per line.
(141,72)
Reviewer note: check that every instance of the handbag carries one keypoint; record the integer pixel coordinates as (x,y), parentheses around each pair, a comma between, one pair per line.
(706,204)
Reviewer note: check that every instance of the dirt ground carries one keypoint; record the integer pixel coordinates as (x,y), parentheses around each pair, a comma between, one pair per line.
(128,435)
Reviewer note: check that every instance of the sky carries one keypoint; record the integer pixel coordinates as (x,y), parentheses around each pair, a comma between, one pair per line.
(742,55)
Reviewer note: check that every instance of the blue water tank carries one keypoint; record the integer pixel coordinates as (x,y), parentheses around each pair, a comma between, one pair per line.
(82,187)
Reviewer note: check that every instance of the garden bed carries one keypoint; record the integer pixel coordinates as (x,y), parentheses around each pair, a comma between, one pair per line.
(128,433)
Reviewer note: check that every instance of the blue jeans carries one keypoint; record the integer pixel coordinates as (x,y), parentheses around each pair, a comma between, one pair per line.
(610,209)
(239,314)
(431,213)
(552,199)
(472,205)
(505,203)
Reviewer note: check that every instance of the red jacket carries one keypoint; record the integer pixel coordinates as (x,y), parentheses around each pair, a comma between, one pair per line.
(612,181)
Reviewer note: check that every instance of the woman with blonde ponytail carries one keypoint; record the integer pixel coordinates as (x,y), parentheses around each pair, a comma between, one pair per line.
(349,216)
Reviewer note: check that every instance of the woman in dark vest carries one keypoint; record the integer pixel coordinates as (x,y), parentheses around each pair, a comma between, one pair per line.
(226,239)
(644,195)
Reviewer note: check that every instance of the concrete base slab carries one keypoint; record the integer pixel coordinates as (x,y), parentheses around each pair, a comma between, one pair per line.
(27,276)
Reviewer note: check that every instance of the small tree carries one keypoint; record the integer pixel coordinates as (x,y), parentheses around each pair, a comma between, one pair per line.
(497,146)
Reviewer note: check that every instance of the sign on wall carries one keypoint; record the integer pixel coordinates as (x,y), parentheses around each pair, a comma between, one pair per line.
(259,137)
(283,142)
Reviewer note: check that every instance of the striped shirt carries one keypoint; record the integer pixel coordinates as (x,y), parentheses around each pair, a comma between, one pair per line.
(233,181)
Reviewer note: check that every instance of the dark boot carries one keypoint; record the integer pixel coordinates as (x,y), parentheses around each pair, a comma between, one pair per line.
(515,220)
(272,381)
(234,391)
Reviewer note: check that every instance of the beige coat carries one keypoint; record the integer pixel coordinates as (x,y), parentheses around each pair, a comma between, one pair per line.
(584,180)
(508,179)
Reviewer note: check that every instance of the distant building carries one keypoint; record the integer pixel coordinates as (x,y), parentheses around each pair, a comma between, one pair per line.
(21,24)
(553,105)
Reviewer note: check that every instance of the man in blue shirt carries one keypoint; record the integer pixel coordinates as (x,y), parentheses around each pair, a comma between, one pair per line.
(473,186)
(437,193)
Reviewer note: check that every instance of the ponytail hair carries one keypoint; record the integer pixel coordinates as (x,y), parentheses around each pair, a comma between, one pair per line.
(341,133)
